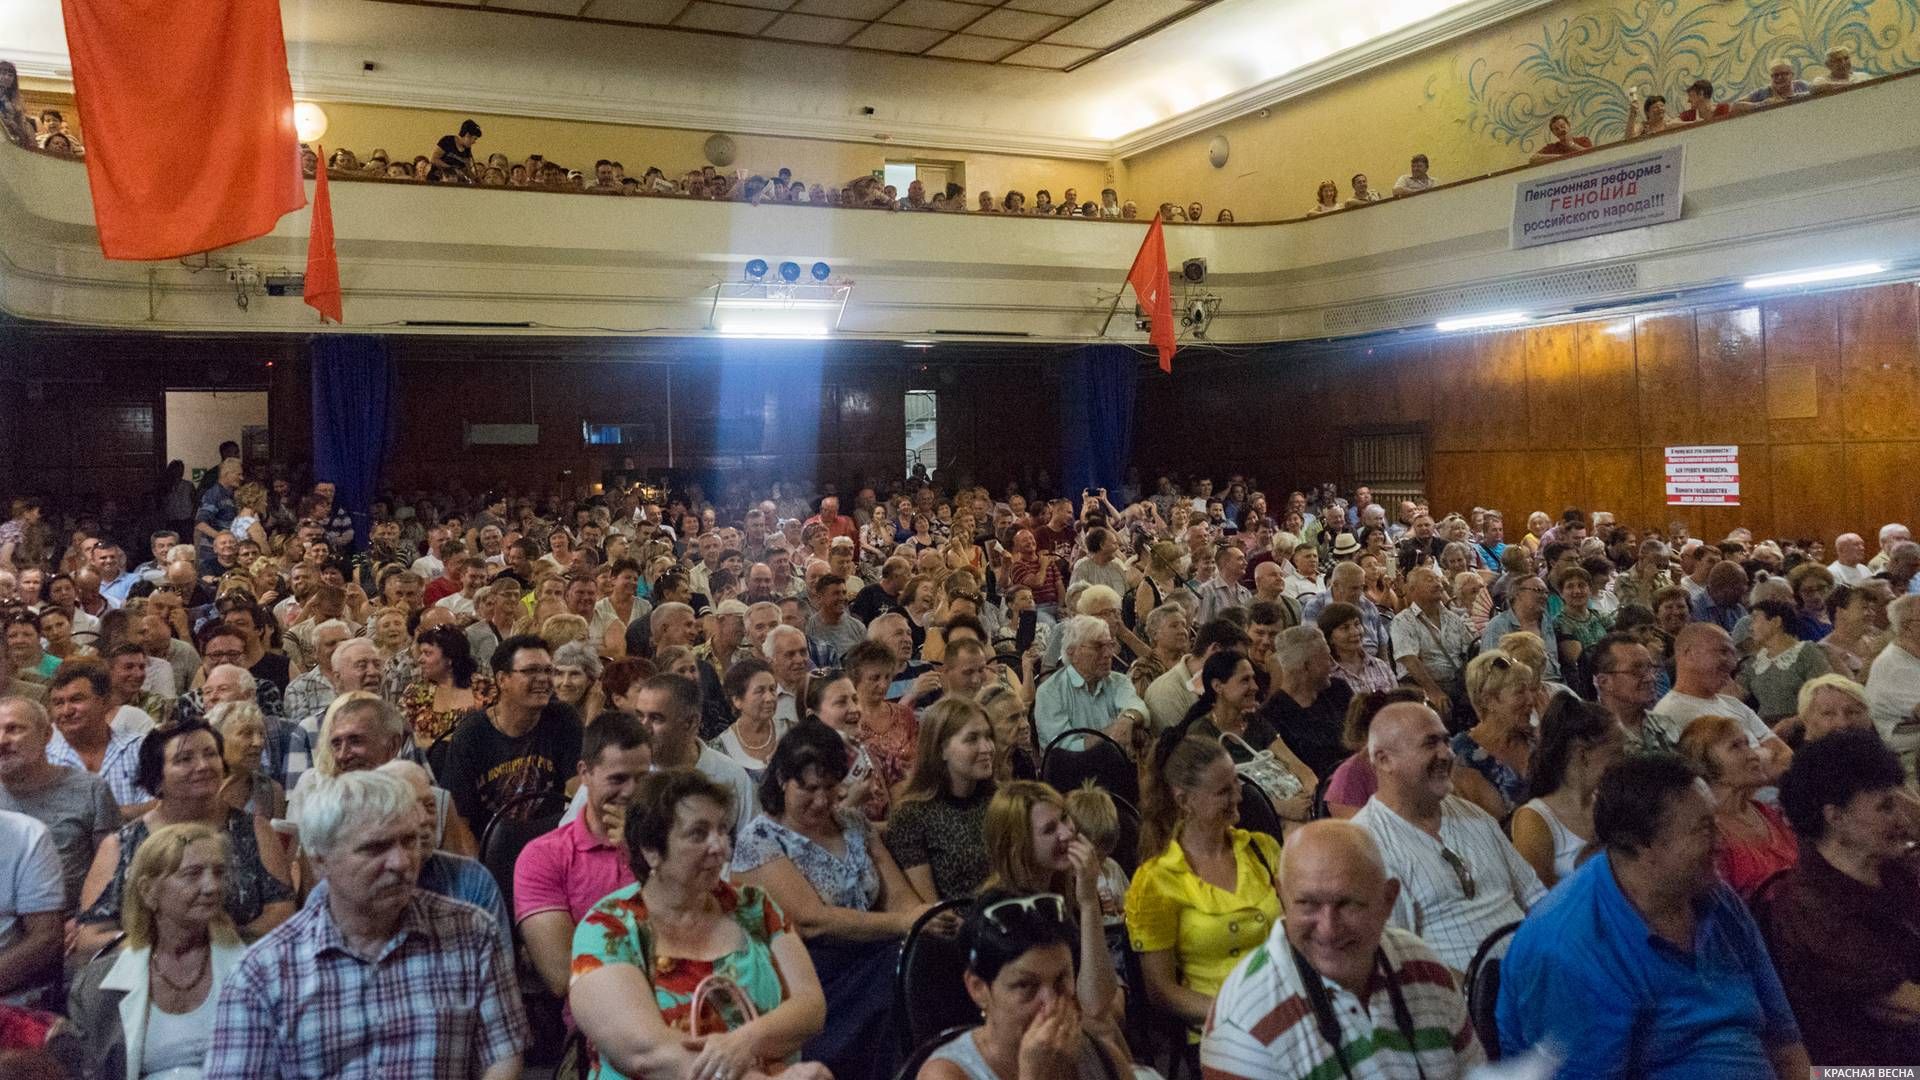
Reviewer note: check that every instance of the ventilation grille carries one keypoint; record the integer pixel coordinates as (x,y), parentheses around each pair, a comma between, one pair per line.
(1518,294)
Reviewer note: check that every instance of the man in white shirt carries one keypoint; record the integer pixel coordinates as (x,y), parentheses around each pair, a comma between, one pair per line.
(1704,659)
(1893,683)
(430,566)
(1892,535)
(1839,72)
(1460,880)
(1849,566)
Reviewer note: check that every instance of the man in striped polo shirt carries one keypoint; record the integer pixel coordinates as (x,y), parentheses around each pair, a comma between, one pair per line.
(1334,992)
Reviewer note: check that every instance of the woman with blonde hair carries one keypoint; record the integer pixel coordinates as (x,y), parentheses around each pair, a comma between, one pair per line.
(563,629)
(147,1009)
(250,514)
(1491,758)
(1162,579)
(939,814)
(387,627)
(243,727)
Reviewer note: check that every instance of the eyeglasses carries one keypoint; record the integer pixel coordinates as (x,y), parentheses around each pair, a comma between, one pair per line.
(1460,871)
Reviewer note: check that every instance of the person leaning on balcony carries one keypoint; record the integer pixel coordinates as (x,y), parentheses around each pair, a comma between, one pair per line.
(1564,143)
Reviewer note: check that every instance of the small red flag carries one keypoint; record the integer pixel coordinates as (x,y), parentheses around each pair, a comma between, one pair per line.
(323,266)
(1149,280)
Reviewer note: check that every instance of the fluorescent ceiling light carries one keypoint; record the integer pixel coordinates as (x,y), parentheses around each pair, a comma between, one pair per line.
(1475,322)
(1808,277)
(794,319)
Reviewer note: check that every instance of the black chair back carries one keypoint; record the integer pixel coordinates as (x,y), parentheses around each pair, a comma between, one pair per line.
(1483,987)
(1020,764)
(1126,845)
(1098,759)
(513,827)
(910,1068)
(1257,813)
(929,988)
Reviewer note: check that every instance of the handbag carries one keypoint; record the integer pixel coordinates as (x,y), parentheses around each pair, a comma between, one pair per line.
(1273,779)
(714,990)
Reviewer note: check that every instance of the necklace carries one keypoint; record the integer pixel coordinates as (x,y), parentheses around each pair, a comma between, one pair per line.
(749,747)
(200,972)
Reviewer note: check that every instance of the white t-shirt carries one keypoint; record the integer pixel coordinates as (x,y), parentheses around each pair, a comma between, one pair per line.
(30,881)
(1671,715)
(428,567)
(1849,575)
(1893,689)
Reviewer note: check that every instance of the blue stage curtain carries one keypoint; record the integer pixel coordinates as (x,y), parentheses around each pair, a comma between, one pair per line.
(1097,389)
(352,418)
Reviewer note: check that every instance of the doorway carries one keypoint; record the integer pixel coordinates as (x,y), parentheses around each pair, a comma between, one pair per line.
(923,414)
(198,421)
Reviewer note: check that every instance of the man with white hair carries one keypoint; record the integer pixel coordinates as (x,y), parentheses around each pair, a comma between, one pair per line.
(1893,683)
(786,652)
(1892,535)
(296,1006)
(1395,1008)
(1849,565)
(1460,879)
(1086,692)
(313,690)
(354,664)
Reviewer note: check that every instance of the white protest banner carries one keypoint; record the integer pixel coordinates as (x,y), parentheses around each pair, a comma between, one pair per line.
(1606,198)
(1703,476)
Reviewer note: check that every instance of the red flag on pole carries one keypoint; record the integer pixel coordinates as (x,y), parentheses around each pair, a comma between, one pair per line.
(322,290)
(1149,280)
(147,71)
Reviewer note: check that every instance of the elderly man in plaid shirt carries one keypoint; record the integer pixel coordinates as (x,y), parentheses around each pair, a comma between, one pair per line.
(383,979)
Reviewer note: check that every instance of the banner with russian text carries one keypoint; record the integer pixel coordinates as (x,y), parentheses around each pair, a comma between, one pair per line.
(1703,476)
(1619,195)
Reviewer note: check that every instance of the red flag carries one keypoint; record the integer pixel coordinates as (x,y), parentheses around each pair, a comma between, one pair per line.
(1149,280)
(149,73)
(322,289)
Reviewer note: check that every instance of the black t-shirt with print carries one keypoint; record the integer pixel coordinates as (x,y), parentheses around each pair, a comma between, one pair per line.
(459,162)
(485,769)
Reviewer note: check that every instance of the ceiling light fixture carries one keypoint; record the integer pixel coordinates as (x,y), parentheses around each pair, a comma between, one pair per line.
(1476,322)
(1809,277)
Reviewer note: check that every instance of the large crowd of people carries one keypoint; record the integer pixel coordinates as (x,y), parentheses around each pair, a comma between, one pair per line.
(454,159)
(243,770)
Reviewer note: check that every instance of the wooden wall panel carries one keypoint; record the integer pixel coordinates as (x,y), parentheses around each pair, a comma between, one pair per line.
(1808,487)
(1667,355)
(1880,361)
(1803,334)
(1556,415)
(1880,487)
(1733,393)
(1608,408)
(1611,481)
(1459,397)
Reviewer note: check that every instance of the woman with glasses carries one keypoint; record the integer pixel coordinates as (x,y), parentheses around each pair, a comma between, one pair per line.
(1204,894)
(1553,829)
(641,953)
(1020,974)
(1492,758)
(828,871)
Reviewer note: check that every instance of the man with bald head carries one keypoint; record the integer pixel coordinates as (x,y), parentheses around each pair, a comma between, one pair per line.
(1849,566)
(1704,659)
(1460,879)
(1333,964)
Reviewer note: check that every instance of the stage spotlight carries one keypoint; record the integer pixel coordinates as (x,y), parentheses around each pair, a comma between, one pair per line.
(756,269)
(821,271)
(789,272)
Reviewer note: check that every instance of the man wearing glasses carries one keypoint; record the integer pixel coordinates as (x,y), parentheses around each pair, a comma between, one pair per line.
(1087,692)
(1528,596)
(1460,879)
(524,744)
(1624,679)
